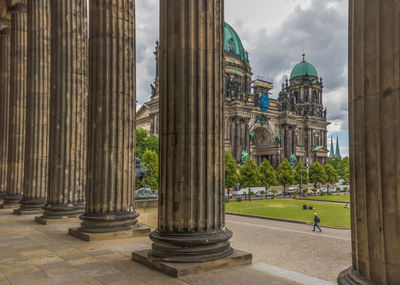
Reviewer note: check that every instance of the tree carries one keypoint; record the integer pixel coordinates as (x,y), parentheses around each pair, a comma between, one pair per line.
(231,175)
(343,169)
(285,174)
(334,161)
(150,158)
(249,174)
(300,176)
(268,177)
(317,174)
(144,141)
(331,175)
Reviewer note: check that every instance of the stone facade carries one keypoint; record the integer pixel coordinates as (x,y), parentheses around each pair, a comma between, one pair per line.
(295,123)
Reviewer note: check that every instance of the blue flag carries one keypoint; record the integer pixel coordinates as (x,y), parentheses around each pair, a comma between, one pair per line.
(264,102)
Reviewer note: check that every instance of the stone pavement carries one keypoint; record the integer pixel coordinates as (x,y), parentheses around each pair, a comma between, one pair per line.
(292,246)
(32,254)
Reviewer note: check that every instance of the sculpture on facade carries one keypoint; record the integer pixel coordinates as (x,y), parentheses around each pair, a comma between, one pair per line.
(244,156)
(292,160)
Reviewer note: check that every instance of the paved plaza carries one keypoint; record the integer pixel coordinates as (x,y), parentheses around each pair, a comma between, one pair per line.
(31,254)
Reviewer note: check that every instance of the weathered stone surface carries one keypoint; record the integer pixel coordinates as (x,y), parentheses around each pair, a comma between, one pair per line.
(37,108)
(4,101)
(374,121)
(17,104)
(112,101)
(238,258)
(191,222)
(148,210)
(68,110)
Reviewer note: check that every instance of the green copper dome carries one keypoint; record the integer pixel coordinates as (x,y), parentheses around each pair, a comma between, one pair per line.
(302,69)
(233,45)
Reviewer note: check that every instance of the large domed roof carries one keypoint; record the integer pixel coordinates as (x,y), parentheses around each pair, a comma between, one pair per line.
(233,45)
(303,69)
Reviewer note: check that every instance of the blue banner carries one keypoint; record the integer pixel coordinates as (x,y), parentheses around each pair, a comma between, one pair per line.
(264,102)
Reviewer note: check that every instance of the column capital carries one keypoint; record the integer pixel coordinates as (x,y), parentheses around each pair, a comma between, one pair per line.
(5,26)
(17,6)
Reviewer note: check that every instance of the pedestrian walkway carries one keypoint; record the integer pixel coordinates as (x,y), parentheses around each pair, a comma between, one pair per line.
(33,254)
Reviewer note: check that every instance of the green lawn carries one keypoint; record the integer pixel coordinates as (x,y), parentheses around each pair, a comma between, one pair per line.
(331,214)
(339,198)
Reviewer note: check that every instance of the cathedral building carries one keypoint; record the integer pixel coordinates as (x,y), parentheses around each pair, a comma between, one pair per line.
(292,126)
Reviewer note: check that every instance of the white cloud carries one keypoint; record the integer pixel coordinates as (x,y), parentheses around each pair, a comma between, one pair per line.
(275,33)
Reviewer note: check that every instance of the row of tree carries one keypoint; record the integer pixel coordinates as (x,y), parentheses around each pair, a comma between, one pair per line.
(249,174)
(252,176)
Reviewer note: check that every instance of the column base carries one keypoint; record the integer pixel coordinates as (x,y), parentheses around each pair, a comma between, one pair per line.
(61,211)
(45,221)
(237,258)
(351,277)
(11,202)
(31,207)
(136,231)
(190,246)
(109,225)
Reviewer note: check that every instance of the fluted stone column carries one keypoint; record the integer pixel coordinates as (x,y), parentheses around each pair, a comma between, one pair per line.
(112,101)
(17,104)
(374,104)
(37,108)
(68,110)
(4,101)
(191,222)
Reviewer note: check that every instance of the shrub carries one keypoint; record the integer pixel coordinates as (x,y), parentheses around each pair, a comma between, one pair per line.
(337,188)
(305,190)
(251,193)
(345,189)
(322,194)
(330,194)
(226,200)
(262,192)
(238,199)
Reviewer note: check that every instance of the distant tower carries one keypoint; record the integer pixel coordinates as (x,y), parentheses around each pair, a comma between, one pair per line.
(337,148)
(331,153)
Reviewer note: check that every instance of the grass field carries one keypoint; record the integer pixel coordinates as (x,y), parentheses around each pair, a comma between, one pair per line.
(339,198)
(331,214)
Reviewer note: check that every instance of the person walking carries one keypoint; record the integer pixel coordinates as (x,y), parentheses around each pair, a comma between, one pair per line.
(316,221)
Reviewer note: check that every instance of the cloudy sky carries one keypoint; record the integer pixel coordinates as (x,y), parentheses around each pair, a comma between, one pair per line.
(274,32)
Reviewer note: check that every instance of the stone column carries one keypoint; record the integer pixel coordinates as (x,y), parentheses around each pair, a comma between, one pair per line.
(374,102)
(17,104)
(247,135)
(4,101)
(68,111)
(191,223)
(112,101)
(37,108)
(237,139)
